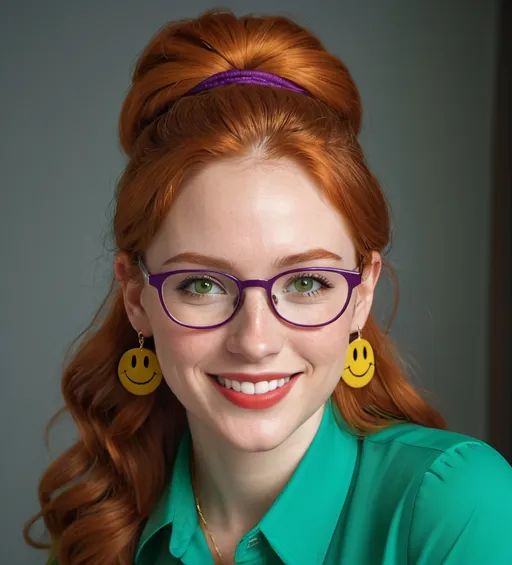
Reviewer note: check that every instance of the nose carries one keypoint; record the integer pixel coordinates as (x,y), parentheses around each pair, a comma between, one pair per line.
(256,331)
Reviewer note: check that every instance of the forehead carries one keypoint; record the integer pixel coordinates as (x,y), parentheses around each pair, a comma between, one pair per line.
(251,212)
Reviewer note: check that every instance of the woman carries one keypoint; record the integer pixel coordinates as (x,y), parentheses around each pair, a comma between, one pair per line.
(237,402)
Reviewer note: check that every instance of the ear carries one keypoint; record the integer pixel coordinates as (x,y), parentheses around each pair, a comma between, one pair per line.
(365,292)
(132,287)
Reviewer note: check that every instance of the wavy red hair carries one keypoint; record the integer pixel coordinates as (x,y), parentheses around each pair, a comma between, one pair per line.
(96,496)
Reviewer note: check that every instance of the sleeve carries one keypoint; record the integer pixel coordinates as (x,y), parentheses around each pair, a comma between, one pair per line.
(463,509)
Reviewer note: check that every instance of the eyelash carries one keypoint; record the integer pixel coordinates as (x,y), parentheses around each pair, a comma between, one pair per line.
(320,278)
(184,283)
(315,276)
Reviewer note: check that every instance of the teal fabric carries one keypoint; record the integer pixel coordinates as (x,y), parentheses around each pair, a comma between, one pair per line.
(407,495)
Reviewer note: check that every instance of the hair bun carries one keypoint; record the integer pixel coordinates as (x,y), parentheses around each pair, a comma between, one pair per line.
(186,52)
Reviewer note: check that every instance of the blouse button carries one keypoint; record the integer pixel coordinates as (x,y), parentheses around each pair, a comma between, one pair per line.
(252,542)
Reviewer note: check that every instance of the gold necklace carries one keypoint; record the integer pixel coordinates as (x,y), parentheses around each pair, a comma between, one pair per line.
(200,512)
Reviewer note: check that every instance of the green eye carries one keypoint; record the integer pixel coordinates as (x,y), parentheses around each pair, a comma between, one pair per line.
(202,286)
(304,284)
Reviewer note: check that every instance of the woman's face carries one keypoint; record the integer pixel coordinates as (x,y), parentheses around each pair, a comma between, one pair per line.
(250,214)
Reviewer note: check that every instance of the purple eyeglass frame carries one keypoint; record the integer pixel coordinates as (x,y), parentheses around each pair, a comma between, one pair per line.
(353,279)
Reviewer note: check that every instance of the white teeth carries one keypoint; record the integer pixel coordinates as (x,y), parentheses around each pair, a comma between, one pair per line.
(247,388)
(261,387)
(253,388)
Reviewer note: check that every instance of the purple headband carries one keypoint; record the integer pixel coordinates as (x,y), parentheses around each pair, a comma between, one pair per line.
(245,76)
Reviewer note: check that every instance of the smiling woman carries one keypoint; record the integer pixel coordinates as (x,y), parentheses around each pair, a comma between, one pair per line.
(264,416)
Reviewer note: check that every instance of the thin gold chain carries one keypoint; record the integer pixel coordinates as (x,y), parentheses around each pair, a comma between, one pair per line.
(200,512)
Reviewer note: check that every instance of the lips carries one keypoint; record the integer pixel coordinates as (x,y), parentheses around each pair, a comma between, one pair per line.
(255,401)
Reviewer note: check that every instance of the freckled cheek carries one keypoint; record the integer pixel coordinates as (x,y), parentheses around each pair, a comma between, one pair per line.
(170,338)
(325,348)
(181,349)
(182,355)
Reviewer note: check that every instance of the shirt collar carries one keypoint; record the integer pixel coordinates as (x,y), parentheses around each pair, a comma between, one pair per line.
(176,506)
(300,523)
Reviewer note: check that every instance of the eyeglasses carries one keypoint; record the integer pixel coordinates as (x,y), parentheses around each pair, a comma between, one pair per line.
(203,299)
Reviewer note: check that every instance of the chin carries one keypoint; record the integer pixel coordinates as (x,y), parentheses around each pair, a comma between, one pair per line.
(252,440)
(256,433)
(258,430)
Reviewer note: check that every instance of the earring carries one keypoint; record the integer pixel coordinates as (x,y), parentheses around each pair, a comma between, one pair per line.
(359,362)
(139,370)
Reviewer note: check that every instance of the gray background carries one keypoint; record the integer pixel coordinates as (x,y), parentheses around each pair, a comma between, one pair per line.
(426,73)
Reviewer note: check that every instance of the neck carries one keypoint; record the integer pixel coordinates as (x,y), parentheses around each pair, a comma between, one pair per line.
(236,488)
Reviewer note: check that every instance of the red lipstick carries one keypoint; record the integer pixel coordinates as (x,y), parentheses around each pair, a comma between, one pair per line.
(255,401)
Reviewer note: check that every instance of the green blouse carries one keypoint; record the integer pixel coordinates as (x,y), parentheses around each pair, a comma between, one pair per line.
(407,495)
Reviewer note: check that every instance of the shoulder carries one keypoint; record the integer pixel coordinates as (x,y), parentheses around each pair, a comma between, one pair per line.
(433,450)
(461,500)
(465,501)
(415,450)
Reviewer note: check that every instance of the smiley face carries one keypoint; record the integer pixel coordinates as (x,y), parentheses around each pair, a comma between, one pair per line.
(139,371)
(360,364)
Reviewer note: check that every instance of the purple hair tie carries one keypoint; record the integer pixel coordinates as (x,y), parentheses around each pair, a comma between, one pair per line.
(245,76)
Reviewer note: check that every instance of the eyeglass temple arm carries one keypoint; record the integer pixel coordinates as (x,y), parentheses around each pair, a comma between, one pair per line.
(142,267)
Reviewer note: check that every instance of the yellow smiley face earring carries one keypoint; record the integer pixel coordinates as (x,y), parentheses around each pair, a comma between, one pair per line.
(139,370)
(359,363)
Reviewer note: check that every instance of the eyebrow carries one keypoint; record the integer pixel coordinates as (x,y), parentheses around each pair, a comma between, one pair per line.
(279,263)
